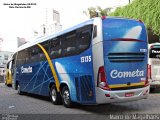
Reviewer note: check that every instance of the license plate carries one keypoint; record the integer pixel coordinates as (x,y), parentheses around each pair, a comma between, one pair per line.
(129,94)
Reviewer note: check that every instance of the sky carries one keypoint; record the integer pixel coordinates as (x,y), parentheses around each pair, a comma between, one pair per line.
(22,22)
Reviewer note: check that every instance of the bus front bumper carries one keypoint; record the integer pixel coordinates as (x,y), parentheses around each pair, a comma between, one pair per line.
(104,96)
(154,83)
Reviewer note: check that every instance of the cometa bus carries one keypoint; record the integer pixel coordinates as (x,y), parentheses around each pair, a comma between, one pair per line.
(102,60)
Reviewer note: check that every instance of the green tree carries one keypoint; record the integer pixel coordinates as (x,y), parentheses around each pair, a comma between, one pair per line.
(91,12)
(146,10)
(96,12)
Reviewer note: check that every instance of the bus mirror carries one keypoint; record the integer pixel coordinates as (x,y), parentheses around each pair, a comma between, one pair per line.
(95,31)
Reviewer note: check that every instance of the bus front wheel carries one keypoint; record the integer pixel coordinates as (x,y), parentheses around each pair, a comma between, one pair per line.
(66,97)
(19,90)
(55,96)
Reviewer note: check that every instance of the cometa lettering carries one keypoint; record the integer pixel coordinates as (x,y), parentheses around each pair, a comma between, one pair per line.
(26,70)
(126,74)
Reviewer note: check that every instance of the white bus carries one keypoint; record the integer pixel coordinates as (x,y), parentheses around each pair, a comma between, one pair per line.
(154,66)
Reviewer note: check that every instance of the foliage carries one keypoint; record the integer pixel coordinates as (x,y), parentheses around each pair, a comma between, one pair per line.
(146,10)
(96,12)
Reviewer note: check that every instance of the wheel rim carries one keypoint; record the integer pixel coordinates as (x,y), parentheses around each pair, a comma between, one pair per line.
(54,95)
(66,96)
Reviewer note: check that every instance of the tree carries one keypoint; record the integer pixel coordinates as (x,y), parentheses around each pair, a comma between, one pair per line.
(91,12)
(97,12)
(146,10)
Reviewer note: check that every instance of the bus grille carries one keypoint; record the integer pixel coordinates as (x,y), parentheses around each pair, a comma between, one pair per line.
(84,88)
(126,57)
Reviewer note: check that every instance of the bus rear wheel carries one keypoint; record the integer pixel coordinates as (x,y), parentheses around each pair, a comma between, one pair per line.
(66,98)
(55,96)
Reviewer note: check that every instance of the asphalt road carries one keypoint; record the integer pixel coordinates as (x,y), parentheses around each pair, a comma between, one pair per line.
(17,107)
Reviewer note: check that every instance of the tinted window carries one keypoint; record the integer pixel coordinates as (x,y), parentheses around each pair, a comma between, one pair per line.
(34,54)
(14,62)
(84,38)
(23,57)
(154,53)
(69,44)
(46,46)
(20,58)
(56,49)
(72,43)
(26,55)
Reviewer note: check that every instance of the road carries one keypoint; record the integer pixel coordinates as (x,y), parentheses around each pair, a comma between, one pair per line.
(13,104)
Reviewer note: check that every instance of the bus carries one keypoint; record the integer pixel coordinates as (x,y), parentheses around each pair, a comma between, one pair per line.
(8,77)
(154,64)
(102,60)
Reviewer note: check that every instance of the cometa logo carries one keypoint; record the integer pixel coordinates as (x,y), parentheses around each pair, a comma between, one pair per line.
(154,51)
(126,74)
(26,70)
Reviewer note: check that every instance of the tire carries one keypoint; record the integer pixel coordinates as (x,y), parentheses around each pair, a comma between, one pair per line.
(19,90)
(9,85)
(66,98)
(55,96)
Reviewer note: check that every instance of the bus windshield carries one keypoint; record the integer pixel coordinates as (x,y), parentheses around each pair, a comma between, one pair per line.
(154,53)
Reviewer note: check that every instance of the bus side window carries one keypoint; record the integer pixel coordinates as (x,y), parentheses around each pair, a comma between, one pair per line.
(26,55)
(13,66)
(46,46)
(69,44)
(20,58)
(95,31)
(34,51)
(84,39)
(55,49)
(14,63)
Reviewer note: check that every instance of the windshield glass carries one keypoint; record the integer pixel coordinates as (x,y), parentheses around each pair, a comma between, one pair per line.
(154,53)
